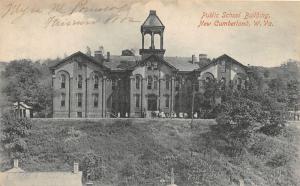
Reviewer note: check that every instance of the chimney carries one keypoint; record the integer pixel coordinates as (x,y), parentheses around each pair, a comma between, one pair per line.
(108,56)
(76,168)
(194,59)
(152,12)
(203,59)
(98,55)
(16,163)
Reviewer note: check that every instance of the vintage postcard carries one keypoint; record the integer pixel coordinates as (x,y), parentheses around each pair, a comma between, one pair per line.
(149,92)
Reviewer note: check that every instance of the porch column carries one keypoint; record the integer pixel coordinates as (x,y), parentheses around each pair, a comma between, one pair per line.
(103,96)
(144,96)
(132,103)
(172,94)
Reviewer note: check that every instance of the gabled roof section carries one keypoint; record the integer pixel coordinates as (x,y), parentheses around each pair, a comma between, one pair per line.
(152,20)
(183,64)
(152,57)
(219,59)
(76,54)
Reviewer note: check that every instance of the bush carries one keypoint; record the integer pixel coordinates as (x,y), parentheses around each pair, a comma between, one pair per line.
(13,134)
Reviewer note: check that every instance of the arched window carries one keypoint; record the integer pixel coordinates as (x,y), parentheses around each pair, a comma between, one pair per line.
(137,82)
(96,82)
(79,81)
(167,82)
(150,82)
(155,82)
(63,81)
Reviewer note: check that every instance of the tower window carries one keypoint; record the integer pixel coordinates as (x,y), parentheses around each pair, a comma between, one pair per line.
(79,81)
(63,81)
(150,82)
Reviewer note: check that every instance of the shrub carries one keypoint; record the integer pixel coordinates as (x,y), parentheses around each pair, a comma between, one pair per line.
(13,134)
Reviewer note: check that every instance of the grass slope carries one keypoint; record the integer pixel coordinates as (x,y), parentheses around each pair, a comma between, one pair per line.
(142,152)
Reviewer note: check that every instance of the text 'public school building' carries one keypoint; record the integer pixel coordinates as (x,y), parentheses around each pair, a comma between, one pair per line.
(134,86)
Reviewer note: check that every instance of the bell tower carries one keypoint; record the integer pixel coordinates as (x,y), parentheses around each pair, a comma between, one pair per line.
(152,26)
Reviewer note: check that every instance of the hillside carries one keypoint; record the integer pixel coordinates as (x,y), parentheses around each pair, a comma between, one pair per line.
(142,152)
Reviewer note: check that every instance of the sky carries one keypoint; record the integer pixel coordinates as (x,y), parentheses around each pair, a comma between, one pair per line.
(28,28)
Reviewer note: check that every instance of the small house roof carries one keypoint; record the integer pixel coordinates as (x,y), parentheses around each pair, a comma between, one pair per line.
(22,104)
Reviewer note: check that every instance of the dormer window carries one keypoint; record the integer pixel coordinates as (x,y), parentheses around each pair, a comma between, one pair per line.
(149,66)
(150,82)
(155,66)
(79,66)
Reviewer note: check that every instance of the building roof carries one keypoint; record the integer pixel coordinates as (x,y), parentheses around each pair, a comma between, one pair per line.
(117,62)
(123,63)
(76,54)
(219,59)
(182,63)
(22,104)
(18,177)
(152,20)
(40,178)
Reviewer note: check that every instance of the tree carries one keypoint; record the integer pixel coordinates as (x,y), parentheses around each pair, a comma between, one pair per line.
(30,83)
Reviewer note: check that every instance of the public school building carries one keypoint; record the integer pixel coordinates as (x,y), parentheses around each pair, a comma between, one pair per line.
(127,85)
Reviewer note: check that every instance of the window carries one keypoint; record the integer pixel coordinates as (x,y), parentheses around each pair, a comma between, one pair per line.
(79,99)
(137,82)
(79,114)
(223,67)
(63,81)
(167,101)
(155,82)
(79,81)
(96,82)
(63,100)
(150,82)
(149,66)
(79,66)
(137,100)
(155,66)
(177,84)
(167,82)
(113,84)
(95,98)
(197,87)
